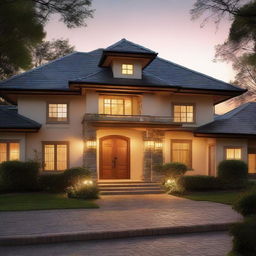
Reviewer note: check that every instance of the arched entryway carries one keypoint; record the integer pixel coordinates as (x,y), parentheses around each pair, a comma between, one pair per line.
(114,157)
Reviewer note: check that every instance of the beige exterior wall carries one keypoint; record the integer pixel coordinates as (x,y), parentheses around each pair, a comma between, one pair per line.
(35,108)
(117,69)
(136,149)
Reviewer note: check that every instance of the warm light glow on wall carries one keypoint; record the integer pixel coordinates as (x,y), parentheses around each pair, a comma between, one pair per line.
(91,144)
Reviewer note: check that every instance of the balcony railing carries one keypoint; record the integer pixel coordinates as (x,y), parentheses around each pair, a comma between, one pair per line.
(138,120)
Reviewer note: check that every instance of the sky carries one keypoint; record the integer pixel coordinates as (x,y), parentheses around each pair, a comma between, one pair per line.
(164,26)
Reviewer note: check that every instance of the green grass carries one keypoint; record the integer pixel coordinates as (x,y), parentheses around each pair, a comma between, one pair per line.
(41,201)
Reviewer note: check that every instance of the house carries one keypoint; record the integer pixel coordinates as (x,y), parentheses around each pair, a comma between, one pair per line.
(120,111)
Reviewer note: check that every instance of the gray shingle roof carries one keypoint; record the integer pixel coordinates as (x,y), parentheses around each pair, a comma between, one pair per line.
(10,119)
(241,120)
(57,74)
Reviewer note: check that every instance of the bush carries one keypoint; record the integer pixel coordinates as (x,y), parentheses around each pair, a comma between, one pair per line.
(17,176)
(244,237)
(74,175)
(173,170)
(198,183)
(82,191)
(233,173)
(246,205)
(52,182)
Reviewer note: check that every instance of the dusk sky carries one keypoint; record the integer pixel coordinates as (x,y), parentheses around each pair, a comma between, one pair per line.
(164,26)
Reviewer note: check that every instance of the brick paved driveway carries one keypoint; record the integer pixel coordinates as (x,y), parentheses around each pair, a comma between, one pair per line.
(206,244)
(118,213)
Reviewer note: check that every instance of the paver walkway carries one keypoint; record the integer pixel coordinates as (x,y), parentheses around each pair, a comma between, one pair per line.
(206,244)
(118,213)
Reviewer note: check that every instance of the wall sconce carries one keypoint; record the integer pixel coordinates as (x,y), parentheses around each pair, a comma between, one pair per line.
(149,144)
(91,144)
(158,145)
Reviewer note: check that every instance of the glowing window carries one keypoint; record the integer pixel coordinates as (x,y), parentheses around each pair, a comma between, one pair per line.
(116,105)
(181,152)
(127,69)
(9,151)
(234,153)
(57,112)
(183,113)
(55,156)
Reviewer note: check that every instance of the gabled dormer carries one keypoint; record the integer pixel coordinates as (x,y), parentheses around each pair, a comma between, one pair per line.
(126,59)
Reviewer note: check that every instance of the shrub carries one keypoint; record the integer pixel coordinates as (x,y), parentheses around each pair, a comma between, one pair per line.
(74,175)
(17,176)
(198,183)
(244,237)
(173,170)
(82,191)
(52,182)
(246,205)
(233,173)
(172,187)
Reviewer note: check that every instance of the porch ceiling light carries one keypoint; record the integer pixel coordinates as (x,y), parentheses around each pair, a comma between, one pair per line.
(91,144)
(149,144)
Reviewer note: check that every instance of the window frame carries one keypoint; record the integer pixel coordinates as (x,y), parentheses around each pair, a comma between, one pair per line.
(55,143)
(232,147)
(49,120)
(190,149)
(127,69)
(184,104)
(8,142)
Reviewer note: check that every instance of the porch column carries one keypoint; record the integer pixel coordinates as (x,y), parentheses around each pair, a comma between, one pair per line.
(90,149)
(153,154)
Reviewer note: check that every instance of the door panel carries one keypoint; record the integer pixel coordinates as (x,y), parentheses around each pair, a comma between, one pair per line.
(114,158)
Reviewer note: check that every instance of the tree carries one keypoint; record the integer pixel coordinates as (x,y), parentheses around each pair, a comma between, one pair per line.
(22,28)
(50,50)
(240,46)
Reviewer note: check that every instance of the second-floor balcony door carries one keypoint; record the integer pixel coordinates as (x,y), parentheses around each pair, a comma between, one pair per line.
(114,157)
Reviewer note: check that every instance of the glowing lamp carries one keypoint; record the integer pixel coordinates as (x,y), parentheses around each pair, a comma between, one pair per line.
(87,182)
(158,145)
(91,144)
(149,144)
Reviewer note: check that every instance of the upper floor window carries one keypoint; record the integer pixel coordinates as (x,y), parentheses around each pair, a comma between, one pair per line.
(184,113)
(127,69)
(9,151)
(233,153)
(57,112)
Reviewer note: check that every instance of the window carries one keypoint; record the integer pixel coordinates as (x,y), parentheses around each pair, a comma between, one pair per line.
(181,151)
(57,112)
(127,69)
(9,151)
(234,153)
(116,105)
(183,113)
(55,155)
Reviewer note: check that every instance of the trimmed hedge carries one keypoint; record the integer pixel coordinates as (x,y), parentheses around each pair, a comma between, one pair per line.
(233,173)
(59,182)
(246,205)
(244,237)
(82,191)
(17,176)
(198,183)
(173,170)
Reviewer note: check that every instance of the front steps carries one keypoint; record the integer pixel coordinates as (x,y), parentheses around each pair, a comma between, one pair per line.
(129,188)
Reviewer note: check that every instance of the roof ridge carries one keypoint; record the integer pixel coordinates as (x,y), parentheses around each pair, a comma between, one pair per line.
(36,68)
(197,72)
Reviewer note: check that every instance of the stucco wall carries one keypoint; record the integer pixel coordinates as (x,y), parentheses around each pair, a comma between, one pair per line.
(35,108)
(136,149)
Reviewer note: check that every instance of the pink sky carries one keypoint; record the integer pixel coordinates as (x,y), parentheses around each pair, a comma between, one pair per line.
(164,26)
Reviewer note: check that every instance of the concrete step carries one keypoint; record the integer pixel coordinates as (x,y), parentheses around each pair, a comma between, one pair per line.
(128,188)
(132,192)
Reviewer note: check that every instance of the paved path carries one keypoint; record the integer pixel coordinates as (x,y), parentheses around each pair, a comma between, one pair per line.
(206,244)
(118,213)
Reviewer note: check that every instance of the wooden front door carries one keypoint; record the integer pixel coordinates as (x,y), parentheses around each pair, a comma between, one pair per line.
(114,157)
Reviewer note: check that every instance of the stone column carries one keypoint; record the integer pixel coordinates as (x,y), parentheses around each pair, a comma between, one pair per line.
(90,153)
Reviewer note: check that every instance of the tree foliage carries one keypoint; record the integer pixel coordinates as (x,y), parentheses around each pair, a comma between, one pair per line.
(22,28)
(240,46)
(51,50)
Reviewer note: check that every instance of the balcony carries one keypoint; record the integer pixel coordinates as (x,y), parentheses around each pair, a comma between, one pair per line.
(130,121)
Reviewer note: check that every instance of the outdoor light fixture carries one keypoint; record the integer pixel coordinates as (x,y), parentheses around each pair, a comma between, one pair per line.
(158,145)
(87,182)
(149,144)
(91,144)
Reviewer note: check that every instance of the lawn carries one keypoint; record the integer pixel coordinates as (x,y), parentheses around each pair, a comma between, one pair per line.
(41,201)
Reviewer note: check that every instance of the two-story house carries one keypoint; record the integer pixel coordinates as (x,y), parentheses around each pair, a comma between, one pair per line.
(120,111)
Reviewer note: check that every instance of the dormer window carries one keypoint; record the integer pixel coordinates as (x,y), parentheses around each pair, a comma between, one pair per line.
(127,69)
